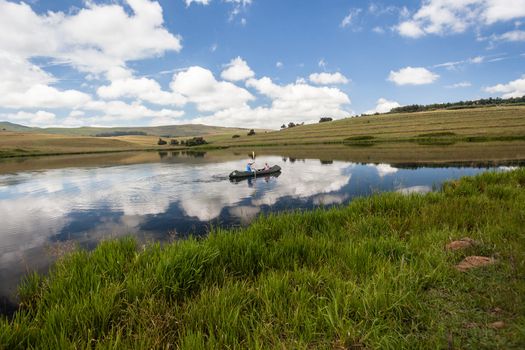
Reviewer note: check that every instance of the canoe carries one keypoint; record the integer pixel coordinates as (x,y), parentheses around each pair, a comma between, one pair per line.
(259,172)
(266,177)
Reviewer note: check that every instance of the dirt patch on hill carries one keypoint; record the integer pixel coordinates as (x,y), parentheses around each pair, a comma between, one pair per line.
(463,243)
(471,262)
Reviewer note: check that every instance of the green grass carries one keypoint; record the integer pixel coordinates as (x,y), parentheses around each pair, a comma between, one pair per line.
(494,123)
(372,274)
(441,127)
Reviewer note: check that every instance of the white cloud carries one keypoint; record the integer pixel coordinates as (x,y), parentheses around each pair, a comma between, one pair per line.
(410,29)
(199,86)
(123,84)
(237,70)
(93,39)
(384,169)
(201,2)
(25,85)
(452,65)
(298,102)
(350,18)
(43,96)
(477,59)
(414,189)
(515,35)
(412,76)
(279,64)
(40,118)
(321,63)
(378,30)
(515,88)
(443,17)
(462,84)
(383,106)
(110,113)
(328,78)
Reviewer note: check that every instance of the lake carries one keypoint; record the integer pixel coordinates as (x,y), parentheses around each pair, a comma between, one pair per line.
(51,204)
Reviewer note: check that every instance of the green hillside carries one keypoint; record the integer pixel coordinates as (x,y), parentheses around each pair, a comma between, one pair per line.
(7,126)
(473,124)
(171,130)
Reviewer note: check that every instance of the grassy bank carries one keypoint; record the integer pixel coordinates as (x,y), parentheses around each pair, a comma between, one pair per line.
(373,274)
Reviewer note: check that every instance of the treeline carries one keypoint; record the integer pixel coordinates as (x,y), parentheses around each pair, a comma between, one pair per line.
(121,133)
(458,105)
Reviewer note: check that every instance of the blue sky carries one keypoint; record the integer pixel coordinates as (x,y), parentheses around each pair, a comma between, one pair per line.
(250,63)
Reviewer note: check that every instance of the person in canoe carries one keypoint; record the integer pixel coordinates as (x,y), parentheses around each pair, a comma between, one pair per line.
(266,166)
(250,167)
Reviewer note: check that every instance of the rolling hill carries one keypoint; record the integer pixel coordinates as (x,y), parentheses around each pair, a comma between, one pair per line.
(166,130)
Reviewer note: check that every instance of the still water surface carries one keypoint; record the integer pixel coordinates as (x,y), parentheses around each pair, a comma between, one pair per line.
(40,211)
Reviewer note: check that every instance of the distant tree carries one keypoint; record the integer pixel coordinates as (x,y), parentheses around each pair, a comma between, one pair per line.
(251,132)
(174,142)
(161,142)
(120,133)
(236,136)
(182,142)
(325,119)
(283,126)
(196,141)
(291,124)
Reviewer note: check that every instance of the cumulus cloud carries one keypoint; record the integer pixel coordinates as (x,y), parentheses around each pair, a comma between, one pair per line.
(25,85)
(121,111)
(443,17)
(410,29)
(124,84)
(328,78)
(292,102)
(95,39)
(515,88)
(73,39)
(40,118)
(199,86)
(383,106)
(412,76)
(237,70)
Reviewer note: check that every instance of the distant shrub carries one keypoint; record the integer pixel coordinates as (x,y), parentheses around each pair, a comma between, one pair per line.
(236,136)
(161,142)
(174,142)
(360,138)
(120,133)
(196,141)
(438,134)
(291,124)
(251,132)
(325,119)
(283,126)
